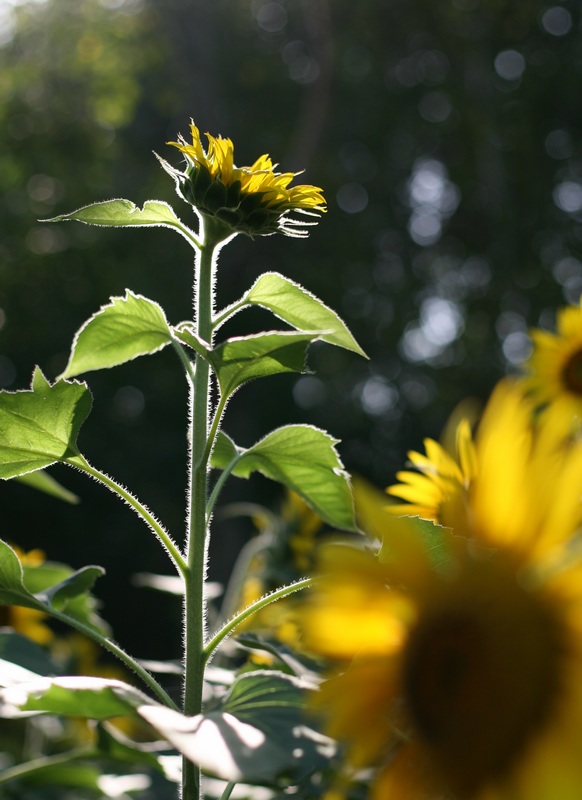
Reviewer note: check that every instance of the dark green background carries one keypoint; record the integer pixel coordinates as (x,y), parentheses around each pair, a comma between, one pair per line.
(446,137)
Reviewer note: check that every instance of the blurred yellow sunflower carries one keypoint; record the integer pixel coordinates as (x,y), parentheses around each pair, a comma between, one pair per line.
(284,552)
(253,200)
(438,491)
(461,683)
(488,488)
(463,680)
(28,622)
(554,369)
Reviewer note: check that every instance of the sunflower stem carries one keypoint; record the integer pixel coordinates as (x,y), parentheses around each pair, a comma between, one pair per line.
(212,237)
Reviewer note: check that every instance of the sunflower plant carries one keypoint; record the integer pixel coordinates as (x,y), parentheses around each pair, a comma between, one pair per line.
(249,728)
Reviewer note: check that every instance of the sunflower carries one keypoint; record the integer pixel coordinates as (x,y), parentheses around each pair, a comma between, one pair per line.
(488,488)
(253,200)
(438,491)
(463,679)
(555,369)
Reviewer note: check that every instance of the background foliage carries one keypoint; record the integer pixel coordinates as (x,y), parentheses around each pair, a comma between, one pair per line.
(447,139)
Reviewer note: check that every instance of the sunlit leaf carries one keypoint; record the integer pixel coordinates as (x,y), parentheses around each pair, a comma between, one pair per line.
(72,696)
(44,482)
(185,333)
(243,359)
(292,303)
(123,213)
(258,735)
(12,588)
(12,674)
(225,450)
(40,426)
(304,459)
(126,328)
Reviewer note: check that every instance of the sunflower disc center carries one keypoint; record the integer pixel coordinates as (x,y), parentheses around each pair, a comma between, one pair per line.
(480,677)
(572,373)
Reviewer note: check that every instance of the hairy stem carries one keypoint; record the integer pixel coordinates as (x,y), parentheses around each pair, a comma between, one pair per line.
(224,475)
(197,539)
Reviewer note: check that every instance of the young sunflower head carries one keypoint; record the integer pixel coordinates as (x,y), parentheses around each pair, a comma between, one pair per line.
(254,200)
(554,369)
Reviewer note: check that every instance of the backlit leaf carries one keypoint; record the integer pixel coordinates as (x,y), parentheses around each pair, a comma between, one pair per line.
(304,459)
(126,328)
(43,482)
(243,359)
(123,213)
(39,426)
(292,303)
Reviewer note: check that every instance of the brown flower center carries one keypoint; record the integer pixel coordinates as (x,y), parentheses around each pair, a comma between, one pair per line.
(572,373)
(481,676)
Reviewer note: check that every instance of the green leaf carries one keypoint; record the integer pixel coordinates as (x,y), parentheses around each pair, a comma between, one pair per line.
(288,659)
(49,586)
(123,213)
(72,696)
(11,674)
(12,588)
(112,744)
(25,653)
(245,358)
(304,459)
(186,335)
(40,426)
(71,775)
(126,328)
(44,482)
(295,305)
(78,583)
(258,735)
(435,540)
(224,451)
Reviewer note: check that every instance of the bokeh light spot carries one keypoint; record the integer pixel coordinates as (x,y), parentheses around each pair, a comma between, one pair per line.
(510,65)
(352,198)
(557,21)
